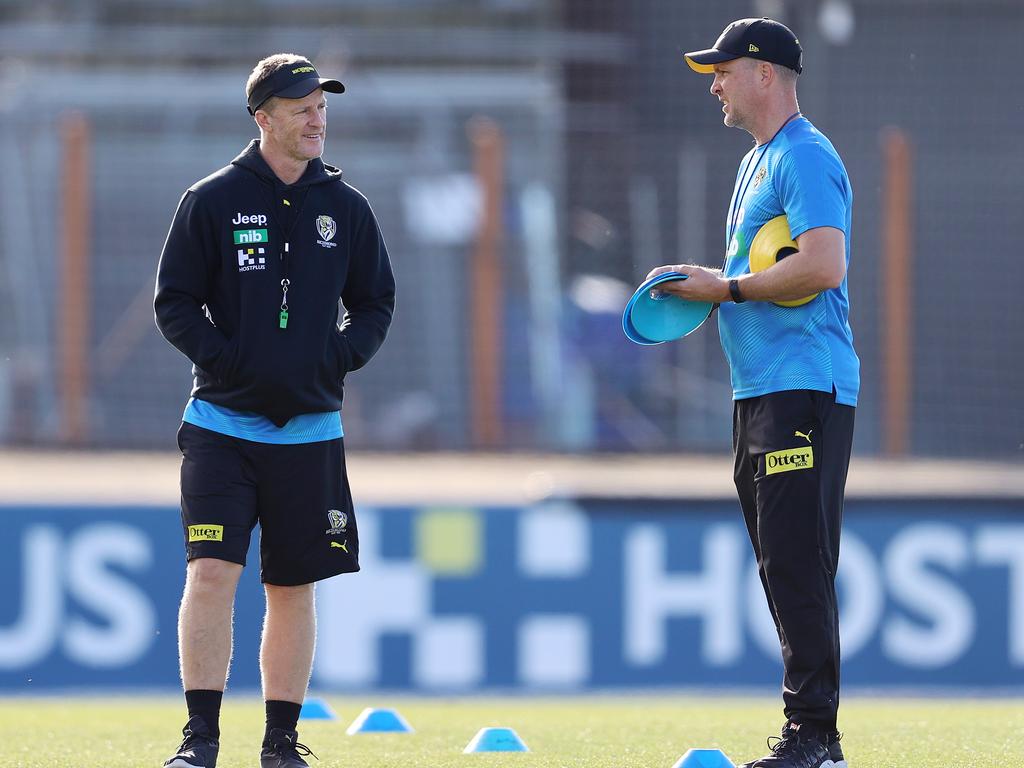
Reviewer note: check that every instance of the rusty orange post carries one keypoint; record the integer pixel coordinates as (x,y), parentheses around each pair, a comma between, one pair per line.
(73,308)
(485,285)
(897,293)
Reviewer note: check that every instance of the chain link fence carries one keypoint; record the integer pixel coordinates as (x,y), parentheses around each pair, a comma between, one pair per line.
(615,161)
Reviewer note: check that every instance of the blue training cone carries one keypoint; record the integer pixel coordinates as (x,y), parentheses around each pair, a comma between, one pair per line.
(496,740)
(704,758)
(316,709)
(372,720)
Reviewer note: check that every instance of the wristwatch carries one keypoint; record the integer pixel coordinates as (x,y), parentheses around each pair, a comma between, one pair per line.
(734,291)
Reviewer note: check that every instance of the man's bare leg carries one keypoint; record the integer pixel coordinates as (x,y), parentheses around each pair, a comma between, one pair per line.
(289,639)
(204,623)
(204,648)
(286,657)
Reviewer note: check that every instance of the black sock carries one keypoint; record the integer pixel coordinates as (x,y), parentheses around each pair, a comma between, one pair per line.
(283,715)
(206,704)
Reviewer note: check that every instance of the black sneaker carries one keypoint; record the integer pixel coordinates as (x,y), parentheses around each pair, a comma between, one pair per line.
(198,750)
(801,747)
(282,750)
(835,752)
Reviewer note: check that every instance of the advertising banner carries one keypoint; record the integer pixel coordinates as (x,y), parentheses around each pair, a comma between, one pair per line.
(564,595)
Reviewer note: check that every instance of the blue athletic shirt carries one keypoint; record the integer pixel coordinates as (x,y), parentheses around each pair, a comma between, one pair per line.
(772,348)
(304,428)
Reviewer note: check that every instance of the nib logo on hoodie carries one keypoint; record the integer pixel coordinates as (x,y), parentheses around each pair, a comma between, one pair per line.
(250,258)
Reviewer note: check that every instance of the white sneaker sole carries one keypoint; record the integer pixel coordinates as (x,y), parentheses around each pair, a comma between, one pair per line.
(179,763)
(826,764)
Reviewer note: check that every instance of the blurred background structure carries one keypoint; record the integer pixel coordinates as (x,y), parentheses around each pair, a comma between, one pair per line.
(529,161)
(598,154)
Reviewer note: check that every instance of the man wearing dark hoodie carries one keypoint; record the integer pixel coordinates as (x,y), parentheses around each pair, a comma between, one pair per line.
(248,288)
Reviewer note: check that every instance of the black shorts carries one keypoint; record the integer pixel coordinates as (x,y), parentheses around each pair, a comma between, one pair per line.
(298,494)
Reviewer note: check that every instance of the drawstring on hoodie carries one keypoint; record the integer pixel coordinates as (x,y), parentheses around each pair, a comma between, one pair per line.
(285,252)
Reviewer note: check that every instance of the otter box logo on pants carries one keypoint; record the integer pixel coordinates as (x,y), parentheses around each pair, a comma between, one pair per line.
(788,460)
(205,532)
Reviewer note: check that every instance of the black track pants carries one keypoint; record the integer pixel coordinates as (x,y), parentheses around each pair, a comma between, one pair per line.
(792,452)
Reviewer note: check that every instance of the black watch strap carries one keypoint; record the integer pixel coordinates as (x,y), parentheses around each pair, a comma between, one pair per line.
(734,291)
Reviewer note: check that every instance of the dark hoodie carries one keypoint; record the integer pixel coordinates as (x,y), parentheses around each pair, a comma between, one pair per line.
(219,294)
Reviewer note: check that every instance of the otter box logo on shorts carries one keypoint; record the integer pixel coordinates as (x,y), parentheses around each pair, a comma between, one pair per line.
(250,259)
(788,460)
(338,521)
(327,228)
(205,532)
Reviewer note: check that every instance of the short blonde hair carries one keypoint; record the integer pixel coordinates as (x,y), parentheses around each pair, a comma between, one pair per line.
(266,67)
(786,74)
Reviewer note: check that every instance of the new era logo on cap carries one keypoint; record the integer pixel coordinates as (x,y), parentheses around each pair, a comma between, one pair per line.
(762,39)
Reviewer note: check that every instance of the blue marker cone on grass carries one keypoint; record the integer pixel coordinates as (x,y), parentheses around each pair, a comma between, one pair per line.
(704,758)
(372,720)
(316,709)
(496,740)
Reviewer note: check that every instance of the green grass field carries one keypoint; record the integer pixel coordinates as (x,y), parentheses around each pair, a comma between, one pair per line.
(597,732)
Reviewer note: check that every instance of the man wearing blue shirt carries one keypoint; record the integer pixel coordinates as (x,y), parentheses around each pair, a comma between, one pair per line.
(795,374)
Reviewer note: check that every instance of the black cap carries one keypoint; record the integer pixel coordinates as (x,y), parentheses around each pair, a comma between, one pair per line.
(762,39)
(292,81)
